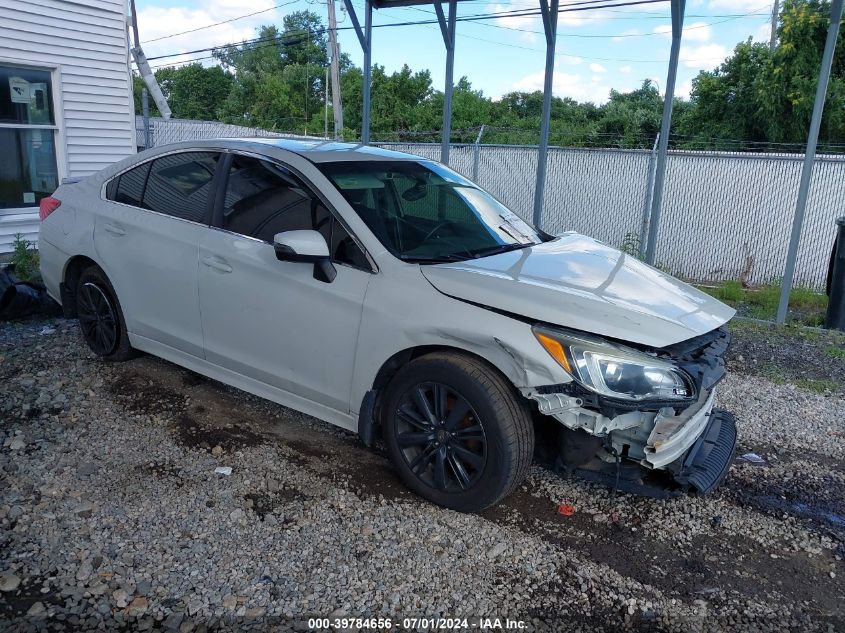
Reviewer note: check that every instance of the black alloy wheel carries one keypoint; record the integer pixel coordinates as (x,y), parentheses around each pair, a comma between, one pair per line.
(97,318)
(440,436)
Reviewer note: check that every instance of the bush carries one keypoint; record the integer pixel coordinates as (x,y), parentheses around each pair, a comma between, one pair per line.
(25,259)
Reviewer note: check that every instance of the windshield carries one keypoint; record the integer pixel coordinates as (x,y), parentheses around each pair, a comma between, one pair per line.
(423,211)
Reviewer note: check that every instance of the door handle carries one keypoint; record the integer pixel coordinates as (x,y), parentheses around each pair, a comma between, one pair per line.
(217,264)
(114,229)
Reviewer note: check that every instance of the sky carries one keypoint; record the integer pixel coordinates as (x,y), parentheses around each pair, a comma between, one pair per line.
(596,50)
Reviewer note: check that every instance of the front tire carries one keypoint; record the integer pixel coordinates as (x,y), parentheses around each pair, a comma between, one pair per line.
(456,431)
(100,317)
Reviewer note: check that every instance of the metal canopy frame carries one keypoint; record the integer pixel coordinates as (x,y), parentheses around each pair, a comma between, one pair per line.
(550,10)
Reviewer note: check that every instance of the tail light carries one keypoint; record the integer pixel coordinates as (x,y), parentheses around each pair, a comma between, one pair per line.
(47,206)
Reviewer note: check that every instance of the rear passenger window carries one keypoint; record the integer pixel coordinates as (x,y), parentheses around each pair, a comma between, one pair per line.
(111,188)
(179,184)
(130,185)
(263,199)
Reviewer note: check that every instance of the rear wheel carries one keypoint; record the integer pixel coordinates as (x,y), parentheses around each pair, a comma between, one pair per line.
(100,317)
(456,431)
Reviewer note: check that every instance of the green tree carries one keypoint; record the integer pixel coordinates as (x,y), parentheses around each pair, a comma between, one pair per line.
(758,95)
(633,118)
(138,86)
(195,91)
(791,76)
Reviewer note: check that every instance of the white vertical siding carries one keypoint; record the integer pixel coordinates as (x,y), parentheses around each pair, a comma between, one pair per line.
(85,41)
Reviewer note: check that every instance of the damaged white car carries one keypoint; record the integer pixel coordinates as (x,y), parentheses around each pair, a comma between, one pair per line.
(388,295)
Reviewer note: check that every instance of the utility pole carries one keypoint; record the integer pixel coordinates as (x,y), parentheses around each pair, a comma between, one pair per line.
(326,102)
(337,106)
(774,36)
(144,67)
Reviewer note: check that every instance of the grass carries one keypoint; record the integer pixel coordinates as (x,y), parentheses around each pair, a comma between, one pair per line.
(806,306)
(836,352)
(777,375)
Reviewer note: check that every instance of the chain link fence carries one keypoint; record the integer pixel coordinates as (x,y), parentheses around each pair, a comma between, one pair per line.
(726,215)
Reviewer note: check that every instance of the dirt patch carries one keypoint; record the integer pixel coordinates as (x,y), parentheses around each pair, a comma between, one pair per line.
(309,449)
(710,567)
(264,503)
(162,471)
(814,500)
(19,602)
(374,476)
(140,395)
(193,434)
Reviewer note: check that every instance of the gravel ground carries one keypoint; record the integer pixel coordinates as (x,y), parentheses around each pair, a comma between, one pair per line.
(812,357)
(112,516)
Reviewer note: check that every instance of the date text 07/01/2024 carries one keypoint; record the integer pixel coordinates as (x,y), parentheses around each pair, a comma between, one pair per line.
(426,624)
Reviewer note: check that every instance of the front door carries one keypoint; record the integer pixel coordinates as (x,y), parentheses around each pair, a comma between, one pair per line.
(147,242)
(271,320)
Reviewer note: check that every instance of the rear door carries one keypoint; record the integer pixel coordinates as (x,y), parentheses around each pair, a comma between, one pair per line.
(271,320)
(148,244)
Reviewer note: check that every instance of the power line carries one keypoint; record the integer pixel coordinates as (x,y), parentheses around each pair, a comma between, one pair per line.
(472,19)
(754,13)
(468,18)
(235,19)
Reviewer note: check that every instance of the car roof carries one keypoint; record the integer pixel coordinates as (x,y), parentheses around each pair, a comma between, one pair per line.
(321,151)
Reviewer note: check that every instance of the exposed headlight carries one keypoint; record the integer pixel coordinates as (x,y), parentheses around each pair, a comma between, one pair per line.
(615,371)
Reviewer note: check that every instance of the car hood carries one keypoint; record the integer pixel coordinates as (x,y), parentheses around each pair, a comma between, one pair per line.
(579,283)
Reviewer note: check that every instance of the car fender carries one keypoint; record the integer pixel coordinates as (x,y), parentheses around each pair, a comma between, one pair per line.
(403,312)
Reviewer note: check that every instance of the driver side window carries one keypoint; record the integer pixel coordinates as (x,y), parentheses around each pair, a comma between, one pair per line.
(263,199)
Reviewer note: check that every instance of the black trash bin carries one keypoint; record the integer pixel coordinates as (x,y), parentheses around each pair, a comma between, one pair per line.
(835,319)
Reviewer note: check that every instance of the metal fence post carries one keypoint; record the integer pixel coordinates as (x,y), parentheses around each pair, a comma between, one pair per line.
(549,9)
(649,192)
(475,155)
(678,9)
(145,109)
(809,159)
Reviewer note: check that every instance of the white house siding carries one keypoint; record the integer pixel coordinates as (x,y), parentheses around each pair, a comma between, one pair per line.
(85,42)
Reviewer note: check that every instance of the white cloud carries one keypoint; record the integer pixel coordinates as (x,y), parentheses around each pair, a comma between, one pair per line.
(568,85)
(740,6)
(695,32)
(763,33)
(525,23)
(706,56)
(571,60)
(597,68)
(155,22)
(683,89)
(625,70)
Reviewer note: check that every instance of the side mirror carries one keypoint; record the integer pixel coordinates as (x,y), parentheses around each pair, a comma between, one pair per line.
(306,246)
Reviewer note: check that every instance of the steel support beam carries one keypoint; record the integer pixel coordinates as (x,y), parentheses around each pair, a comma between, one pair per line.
(550,13)
(809,159)
(678,8)
(447,29)
(365,37)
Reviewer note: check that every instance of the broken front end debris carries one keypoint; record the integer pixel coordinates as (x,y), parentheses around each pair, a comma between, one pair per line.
(642,421)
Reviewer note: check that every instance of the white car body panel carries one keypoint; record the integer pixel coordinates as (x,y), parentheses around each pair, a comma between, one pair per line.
(222,304)
(250,385)
(273,322)
(579,283)
(152,257)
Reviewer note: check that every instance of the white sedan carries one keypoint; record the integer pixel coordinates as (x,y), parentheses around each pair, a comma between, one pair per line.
(387,294)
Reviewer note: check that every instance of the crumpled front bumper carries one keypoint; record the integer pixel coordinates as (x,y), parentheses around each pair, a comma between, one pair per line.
(704,466)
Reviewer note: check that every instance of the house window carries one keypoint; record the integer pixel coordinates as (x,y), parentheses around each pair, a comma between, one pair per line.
(27,137)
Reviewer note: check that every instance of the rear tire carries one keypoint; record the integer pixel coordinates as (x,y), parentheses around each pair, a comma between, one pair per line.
(100,316)
(456,431)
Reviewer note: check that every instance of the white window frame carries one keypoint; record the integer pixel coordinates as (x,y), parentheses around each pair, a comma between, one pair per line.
(57,127)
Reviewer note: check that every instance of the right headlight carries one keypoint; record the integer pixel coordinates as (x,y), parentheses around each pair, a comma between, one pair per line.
(613,370)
